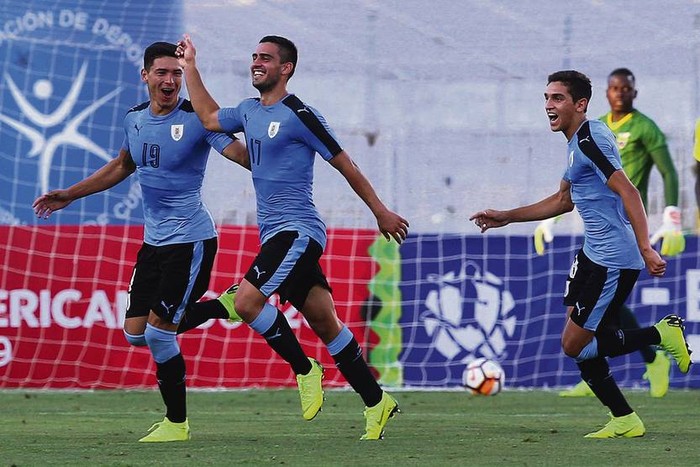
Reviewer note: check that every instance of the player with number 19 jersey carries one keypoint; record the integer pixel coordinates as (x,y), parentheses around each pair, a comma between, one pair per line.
(291,130)
(608,235)
(171,156)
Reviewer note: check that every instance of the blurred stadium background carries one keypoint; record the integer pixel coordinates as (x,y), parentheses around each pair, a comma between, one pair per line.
(441,105)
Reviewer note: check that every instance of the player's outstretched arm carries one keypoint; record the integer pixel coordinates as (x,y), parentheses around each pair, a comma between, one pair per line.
(551,206)
(104,178)
(204,105)
(390,224)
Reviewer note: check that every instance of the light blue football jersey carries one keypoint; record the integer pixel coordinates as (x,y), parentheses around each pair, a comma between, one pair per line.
(282,141)
(608,235)
(170,152)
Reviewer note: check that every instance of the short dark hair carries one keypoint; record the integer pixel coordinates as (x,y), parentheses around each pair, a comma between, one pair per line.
(288,51)
(626,72)
(578,84)
(156,50)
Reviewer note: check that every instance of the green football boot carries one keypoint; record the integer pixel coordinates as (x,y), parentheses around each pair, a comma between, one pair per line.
(227,299)
(311,390)
(377,417)
(580,390)
(167,431)
(673,341)
(627,426)
(658,374)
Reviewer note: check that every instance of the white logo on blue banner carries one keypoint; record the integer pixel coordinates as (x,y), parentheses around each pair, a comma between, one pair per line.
(467,314)
(69,75)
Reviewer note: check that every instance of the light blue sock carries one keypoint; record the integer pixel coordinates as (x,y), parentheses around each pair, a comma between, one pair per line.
(589,351)
(264,321)
(137,340)
(340,342)
(162,343)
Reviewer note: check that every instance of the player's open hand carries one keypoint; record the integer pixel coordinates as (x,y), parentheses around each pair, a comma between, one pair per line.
(489,218)
(52,201)
(392,225)
(186,51)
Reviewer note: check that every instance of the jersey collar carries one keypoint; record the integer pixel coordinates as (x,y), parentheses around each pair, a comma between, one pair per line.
(614,126)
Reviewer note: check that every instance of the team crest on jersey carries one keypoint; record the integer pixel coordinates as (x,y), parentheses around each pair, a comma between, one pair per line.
(273,129)
(622,139)
(176,131)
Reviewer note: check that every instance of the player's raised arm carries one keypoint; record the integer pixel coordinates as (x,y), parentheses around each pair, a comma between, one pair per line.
(204,105)
(104,178)
(390,224)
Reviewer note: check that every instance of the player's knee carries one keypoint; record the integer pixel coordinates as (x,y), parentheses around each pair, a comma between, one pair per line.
(162,343)
(571,349)
(137,340)
(247,307)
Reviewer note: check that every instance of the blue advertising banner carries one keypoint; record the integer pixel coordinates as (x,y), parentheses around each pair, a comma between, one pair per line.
(465,297)
(70,71)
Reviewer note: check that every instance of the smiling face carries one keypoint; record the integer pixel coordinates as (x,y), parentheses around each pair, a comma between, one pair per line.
(267,69)
(164,80)
(564,114)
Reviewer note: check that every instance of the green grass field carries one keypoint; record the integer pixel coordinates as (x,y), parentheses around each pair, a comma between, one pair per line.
(265,427)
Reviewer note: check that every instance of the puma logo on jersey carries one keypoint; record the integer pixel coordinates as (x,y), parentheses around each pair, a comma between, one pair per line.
(258,271)
(303,109)
(587,138)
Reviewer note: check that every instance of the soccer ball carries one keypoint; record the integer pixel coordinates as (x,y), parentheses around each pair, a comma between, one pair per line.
(484,377)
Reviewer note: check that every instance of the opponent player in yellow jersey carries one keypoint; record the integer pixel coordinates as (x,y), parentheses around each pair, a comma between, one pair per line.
(642,146)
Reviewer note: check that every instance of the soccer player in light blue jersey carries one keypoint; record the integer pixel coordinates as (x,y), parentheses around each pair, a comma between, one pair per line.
(616,247)
(283,136)
(167,146)
(642,146)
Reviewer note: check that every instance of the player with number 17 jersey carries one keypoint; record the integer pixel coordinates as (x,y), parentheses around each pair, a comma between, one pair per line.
(171,156)
(282,140)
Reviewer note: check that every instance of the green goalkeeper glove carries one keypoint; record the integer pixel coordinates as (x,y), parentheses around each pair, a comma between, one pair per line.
(670,234)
